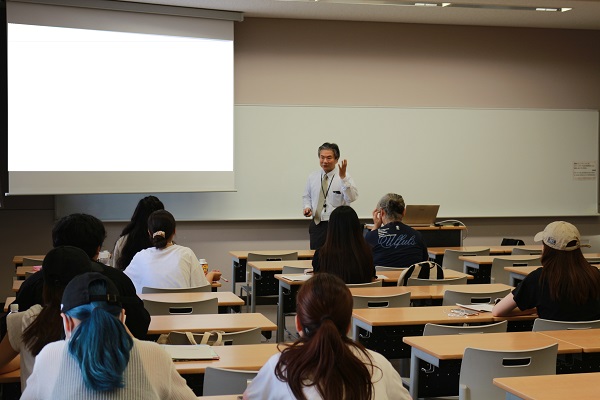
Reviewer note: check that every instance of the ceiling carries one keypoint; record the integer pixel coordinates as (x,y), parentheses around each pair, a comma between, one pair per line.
(585,14)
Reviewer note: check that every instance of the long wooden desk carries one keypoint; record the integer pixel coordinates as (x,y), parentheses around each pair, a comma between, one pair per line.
(588,340)
(517,274)
(266,270)
(226,300)
(289,288)
(550,387)
(390,278)
(437,253)
(208,322)
(8,302)
(481,266)
(446,352)
(18,260)
(240,257)
(382,329)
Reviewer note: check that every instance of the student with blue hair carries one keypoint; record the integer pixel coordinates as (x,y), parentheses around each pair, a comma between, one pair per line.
(100,359)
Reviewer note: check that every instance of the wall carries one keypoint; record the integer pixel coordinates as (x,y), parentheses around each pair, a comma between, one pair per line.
(352,63)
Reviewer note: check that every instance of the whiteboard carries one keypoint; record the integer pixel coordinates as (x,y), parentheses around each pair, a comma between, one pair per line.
(473,162)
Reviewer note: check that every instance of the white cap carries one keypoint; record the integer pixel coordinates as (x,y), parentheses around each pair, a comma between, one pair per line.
(559,234)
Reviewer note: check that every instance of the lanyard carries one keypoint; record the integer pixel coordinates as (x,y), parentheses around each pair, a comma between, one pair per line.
(325,193)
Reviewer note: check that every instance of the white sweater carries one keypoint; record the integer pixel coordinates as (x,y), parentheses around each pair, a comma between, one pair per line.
(149,375)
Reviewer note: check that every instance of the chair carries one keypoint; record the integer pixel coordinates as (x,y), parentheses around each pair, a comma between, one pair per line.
(540,324)
(195,289)
(435,329)
(31,262)
(287,269)
(512,242)
(208,306)
(479,367)
(266,285)
(429,282)
(377,283)
(249,336)
(452,297)
(500,275)
(382,268)
(220,381)
(451,260)
(396,300)
(524,251)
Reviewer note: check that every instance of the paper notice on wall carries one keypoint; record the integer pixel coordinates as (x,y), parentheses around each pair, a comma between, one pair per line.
(584,170)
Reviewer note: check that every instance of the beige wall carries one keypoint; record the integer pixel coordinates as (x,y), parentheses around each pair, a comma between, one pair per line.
(373,64)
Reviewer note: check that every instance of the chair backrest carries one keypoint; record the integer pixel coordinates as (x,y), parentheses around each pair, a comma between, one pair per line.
(540,324)
(499,275)
(524,251)
(272,257)
(452,297)
(382,268)
(287,269)
(376,283)
(31,262)
(435,329)
(422,270)
(429,282)
(208,306)
(479,368)
(249,336)
(512,242)
(220,381)
(395,300)
(195,289)
(451,260)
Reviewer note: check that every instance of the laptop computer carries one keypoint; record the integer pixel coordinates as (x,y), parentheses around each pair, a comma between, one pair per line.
(420,215)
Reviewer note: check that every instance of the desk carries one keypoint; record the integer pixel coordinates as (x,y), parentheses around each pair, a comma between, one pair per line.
(391,277)
(239,258)
(383,329)
(446,352)
(267,270)
(437,253)
(225,299)
(8,302)
(550,387)
(208,322)
(18,260)
(517,274)
(11,377)
(588,340)
(437,291)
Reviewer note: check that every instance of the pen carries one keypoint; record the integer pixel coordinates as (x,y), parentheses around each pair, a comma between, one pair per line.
(224,279)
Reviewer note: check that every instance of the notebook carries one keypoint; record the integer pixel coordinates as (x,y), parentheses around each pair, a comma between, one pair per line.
(420,215)
(481,307)
(190,352)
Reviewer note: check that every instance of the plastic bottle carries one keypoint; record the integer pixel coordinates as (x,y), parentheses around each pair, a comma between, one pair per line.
(14,308)
(204,265)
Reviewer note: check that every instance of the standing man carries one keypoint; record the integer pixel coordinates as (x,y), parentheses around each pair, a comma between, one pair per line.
(325,190)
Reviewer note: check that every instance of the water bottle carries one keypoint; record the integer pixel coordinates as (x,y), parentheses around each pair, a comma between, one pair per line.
(14,308)
(204,265)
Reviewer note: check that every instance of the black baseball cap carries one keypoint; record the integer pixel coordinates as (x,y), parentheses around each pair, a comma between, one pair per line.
(63,263)
(77,292)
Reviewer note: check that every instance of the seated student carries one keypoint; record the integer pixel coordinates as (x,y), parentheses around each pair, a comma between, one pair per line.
(394,244)
(87,233)
(345,252)
(166,265)
(99,359)
(565,288)
(30,330)
(135,235)
(324,363)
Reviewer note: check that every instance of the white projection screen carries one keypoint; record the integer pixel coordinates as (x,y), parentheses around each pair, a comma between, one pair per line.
(104,101)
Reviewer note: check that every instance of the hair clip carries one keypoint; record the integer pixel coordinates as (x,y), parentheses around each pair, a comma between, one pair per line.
(158,233)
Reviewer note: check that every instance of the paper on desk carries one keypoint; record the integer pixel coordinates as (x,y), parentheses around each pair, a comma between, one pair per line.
(190,352)
(379,276)
(297,277)
(481,307)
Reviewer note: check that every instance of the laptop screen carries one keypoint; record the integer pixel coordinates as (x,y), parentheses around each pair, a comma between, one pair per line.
(420,215)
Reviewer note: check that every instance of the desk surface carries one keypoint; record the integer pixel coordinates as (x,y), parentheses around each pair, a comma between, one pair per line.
(208,322)
(489,259)
(18,260)
(243,254)
(223,298)
(10,377)
(428,292)
(439,251)
(552,387)
(392,276)
(248,357)
(452,347)
(423,315)
(587,339)
(278,265)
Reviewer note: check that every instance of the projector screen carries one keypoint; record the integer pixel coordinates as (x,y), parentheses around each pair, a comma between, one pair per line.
(118,102)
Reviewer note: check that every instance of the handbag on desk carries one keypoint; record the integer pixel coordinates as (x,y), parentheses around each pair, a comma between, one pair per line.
(211,338)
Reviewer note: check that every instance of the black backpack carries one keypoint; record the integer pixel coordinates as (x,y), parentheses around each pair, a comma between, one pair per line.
(422,270)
